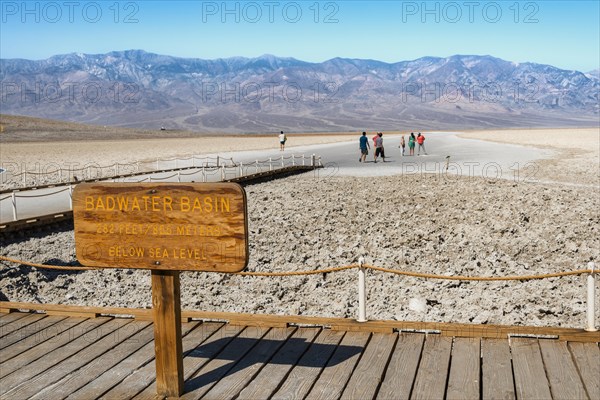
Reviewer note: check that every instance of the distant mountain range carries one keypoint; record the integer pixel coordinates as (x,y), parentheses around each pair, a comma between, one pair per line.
(139,89)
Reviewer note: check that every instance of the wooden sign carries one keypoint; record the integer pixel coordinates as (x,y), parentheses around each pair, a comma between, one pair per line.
(161,226)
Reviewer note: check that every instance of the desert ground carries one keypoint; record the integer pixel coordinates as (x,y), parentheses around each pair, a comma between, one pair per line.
(446,225)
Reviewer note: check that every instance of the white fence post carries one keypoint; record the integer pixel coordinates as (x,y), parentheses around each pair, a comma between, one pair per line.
(313,161)
(591,298)
(71,197)
(257,169)
(203,174)
(222,172)
(362,301)
(270,164)
(293,160)
(241,169)
(218,159)
(303,160)
(14,204)
(178,176)
(282,162)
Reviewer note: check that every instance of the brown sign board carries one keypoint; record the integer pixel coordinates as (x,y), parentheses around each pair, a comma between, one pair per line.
(161,226)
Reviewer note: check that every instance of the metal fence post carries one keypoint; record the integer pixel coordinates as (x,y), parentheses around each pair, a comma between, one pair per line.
(14,204)
(362,301)
(270,164)
(591,298)
(71,197)
(313,161)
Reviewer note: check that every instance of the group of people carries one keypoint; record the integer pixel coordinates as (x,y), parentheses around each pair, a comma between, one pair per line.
(380,150)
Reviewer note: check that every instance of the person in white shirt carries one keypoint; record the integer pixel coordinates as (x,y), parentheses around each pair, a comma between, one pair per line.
(282,140)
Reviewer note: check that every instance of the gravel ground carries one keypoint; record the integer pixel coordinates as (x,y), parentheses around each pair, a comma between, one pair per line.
(425,223)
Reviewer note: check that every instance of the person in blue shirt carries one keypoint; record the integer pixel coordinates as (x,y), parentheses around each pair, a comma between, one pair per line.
(364,147)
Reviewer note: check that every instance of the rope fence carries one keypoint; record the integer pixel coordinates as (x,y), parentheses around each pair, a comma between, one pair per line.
(362,267)
(346,267)
(220,170)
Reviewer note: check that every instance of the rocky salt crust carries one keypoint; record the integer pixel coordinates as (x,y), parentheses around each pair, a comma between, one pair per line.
(450,226)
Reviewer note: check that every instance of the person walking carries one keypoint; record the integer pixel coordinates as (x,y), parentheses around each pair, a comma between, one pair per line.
(379,151)
(411,144)
(363,145)
(421,142)
(282,140)
(402,144)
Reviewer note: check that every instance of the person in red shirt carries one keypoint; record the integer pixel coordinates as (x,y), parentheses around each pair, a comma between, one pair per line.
(421,142)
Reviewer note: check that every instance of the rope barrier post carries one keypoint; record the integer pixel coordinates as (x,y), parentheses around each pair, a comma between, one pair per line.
(222,172)
(362,301)
(70,197)
(303,160)
(313,161)
(293,160)
(241,168)
(203,174)
(270,164)
(14,204)
(591,298)
(178,176)
(282,162)
(257,166)
(217,161)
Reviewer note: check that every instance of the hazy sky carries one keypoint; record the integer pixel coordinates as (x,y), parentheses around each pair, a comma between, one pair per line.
(561,33)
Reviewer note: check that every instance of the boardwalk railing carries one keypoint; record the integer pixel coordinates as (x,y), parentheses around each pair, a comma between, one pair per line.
(207,169)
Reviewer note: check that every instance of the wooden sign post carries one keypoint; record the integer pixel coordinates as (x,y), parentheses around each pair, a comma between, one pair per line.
(164,227)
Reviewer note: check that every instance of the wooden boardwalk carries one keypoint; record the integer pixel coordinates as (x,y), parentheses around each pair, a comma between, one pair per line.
(56,357)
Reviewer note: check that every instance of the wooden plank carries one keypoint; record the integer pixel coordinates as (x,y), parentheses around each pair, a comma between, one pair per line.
(20,324)
(13,316)
(402,369)
(28,331)
(110,378)
(565,382)
(166,304)
(69,310)
(445,329)
(60,324)
(271,376)
(496,368)
(31,357)
(463,382)
(81,314)
(587,359)
(368,374)
(249,366)
(97,366)
(336,374)
(305,373)
(205,378)
(198,356)
(141,380)
(432,376)
(93,350)
(528,369)
(161,226)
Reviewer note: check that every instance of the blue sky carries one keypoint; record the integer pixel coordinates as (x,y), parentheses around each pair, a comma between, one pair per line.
(561,33)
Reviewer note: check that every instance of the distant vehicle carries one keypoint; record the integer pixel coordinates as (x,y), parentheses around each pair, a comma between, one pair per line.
(162,128)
